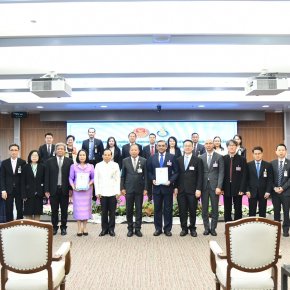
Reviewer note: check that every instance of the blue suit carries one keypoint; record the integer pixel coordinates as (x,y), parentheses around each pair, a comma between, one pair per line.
(162,194)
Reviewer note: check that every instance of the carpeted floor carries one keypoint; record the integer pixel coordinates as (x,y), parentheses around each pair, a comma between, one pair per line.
(144,263)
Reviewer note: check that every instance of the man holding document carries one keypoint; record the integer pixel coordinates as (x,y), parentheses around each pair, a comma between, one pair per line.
(163,171)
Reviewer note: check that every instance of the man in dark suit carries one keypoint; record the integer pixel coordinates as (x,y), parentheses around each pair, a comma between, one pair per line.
(47,150)
(11,169)
(148,151)
(259,182)
(126,148)
(281,187)
(188,188)
(235,181)
(162,192)
(94,147)
(134,186)
(213,177)
(198,149)
(57,186)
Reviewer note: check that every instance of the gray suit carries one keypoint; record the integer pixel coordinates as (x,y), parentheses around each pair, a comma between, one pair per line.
(213,178)
(283,198)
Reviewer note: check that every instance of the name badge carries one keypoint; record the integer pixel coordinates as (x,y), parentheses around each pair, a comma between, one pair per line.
(41,184)
(238,168)
(53,154)
(169,163)
(139,170)
(285,173)
(96,150)
(265,173)
(19,170)
(215,164)
(191,167)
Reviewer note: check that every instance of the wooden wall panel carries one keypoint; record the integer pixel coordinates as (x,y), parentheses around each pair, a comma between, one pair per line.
(6,135)
(266,134)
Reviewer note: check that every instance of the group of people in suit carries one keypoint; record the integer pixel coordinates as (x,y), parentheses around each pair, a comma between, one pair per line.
(158,170)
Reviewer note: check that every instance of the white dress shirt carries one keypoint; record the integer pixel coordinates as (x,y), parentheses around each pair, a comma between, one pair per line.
(107,178)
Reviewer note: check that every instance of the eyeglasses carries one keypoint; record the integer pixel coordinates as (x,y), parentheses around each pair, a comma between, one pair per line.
(14,149)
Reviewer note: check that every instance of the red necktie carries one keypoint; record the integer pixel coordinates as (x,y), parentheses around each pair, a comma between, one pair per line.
(152,150)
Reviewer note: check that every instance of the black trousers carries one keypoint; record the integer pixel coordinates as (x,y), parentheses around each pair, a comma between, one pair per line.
(187,203)
(259,201)
(163,204)
(108,206)
(149,190)
(56,201)
(9,205)
(132,199)
(94,198)
(228,202)
(280,200)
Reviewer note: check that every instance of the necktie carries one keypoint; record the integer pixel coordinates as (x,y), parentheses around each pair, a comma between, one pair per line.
(280,173)
(59,171)
(152,150)
(134,164)
(91,150)
(186,161)
(194,149)
(48,150)
(161,160)
(258,168)
(231,168)
(208,160)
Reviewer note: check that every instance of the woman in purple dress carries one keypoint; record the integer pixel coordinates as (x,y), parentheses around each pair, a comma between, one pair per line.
(81,179)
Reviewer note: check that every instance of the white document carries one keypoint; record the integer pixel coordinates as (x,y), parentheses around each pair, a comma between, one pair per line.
(82,181)
(161,174)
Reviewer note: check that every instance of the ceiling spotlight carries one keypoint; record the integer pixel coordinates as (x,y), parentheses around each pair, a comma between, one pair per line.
(103,106)
(201,106)
(39,107)
(265,106)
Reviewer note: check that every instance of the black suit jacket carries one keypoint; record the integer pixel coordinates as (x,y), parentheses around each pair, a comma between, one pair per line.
(239,175)
(262,184)
(147,151)
(177,152)
(98,149)
(51,175)
(190,178)
(285,179)
(134,180)
(173,171)
(10,180)
(199,150)
(30,184)
(126,150)
(117,156)
(43,154)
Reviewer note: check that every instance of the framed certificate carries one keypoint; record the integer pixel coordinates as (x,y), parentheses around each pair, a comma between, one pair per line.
(161,175)
(82,181)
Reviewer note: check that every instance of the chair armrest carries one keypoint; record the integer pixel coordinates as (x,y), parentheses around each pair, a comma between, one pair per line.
(280,254)
(216,253)
(215,248)
(64,252)
(63,249)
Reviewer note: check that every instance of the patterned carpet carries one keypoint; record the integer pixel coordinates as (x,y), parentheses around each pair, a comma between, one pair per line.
(144,263)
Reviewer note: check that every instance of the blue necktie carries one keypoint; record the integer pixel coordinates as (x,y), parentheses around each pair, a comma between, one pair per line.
(186,162)
(258,168)
(161,160)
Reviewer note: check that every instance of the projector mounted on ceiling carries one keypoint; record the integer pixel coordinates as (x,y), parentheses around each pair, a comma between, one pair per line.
(266,84)
(50,86)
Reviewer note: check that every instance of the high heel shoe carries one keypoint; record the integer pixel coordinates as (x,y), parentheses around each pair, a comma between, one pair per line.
(79,234)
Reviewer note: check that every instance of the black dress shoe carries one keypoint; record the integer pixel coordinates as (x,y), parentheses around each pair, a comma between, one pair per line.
(206,232)
(85,233)
(138,233)
(103,233)
(168,234)
(157,233)
(213,233)
(285,234)
(193,233)
(55,231)
(63,232)
(130,234)
(183,233)
(79,234)
(112,233)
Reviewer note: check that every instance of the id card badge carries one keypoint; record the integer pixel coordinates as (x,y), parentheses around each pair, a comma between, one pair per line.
(265,173)
(239,168)
(96,150)
(285,173)
(169,163)
(191,167)
(139,170)
(215,164)
(19,170)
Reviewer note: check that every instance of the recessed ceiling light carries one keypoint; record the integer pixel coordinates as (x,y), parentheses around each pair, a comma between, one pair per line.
(39,107)
(201,106)
(265,106)
(104,106)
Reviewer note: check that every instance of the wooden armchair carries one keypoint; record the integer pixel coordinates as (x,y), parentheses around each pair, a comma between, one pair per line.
(252,252)
(26,257)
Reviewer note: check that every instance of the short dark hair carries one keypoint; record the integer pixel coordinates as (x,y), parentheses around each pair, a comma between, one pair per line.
(281,144)
(29,156)
(70,136)
(187,140)
(152,134)
(163,141)
(257,148)
(87,157)
(48,134)
(132,133)
(194,133)
(12,145)
(92,129)
(231,141)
